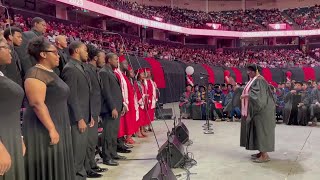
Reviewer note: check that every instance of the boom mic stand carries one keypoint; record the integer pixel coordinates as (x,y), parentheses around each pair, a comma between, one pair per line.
(207,126)
(165,171)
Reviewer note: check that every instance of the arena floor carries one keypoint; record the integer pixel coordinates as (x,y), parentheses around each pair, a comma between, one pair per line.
(219,157)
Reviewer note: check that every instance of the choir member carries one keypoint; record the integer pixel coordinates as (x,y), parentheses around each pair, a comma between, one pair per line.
(185,102)
(61,44)
(142,99)
(39,28)
(296,106)
(128,119)
(11,144)
(78,80)
(96,60)
(13,36)
(315,104)
(46,125)
(112,108)
(151,88)
(131,76)
(258,116)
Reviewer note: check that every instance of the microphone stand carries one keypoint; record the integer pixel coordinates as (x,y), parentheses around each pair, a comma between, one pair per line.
(163,166)
(207,126)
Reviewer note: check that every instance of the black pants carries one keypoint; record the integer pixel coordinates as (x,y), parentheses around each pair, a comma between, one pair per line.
(109,137)
(80,143)
(90,161)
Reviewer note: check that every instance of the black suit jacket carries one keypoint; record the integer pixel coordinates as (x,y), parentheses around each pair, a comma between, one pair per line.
(79,83)
(95,91)
(111,92)
(26,60)
(12,70)
(64,58)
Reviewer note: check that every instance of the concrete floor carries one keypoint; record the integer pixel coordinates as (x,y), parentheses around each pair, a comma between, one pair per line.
(219,157)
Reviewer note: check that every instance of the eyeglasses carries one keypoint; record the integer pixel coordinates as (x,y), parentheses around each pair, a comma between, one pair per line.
(53,51)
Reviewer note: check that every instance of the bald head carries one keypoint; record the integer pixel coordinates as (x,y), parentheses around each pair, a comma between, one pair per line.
(61,41)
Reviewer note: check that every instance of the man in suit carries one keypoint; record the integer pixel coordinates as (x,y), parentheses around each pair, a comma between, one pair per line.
(112,108)
(96,60)
(39,28)
(13,36)
(61,44)
(78,80)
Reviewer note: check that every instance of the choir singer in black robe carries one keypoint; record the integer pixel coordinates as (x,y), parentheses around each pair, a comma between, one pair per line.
(296,106)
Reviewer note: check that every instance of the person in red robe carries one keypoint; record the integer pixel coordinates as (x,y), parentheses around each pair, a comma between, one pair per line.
(140,87)
(127,122)
(152,96)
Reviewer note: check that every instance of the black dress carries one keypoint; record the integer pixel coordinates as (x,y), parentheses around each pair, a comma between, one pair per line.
(11,96)
(44,161)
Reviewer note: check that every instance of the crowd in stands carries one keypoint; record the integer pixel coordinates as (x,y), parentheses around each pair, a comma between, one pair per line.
(250,20)
(307,17)
(266,17)
(170,51)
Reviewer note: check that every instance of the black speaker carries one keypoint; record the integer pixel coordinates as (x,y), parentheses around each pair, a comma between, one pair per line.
(164,113)
(172,151)
(182,132)
(161,171)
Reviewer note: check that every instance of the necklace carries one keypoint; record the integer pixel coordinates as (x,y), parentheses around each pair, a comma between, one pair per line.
(43,67)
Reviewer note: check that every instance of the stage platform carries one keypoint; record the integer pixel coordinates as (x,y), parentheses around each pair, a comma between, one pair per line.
(219,156)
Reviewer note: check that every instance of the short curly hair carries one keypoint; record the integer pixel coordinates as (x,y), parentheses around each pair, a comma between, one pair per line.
(38,45)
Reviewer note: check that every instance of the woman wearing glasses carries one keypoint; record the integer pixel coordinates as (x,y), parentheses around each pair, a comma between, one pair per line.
(46,125)
(11,143)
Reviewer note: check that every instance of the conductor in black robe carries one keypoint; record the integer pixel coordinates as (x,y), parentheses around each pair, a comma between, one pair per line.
(39,28)
(78,80)
(13,36)
(296,106)
(112,106)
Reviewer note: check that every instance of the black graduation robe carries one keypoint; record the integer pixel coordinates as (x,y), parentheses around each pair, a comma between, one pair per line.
(258,129)
(294,114)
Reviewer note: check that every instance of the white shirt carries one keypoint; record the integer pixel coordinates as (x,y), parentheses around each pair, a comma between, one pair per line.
(1,74)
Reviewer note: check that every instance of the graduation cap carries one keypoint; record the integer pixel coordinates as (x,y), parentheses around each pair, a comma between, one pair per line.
(254,67)
(140,70)
(202,86)
(122,58)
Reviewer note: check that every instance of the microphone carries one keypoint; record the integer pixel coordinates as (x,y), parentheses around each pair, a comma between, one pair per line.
(204,74)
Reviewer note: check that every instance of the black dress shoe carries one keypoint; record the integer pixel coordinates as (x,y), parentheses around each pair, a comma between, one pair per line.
(93,175)
(111,163)
(119,157)
(128,146)
(123,151)
(99,169)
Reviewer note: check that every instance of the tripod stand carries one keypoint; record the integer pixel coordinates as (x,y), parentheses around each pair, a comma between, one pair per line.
(207,126)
